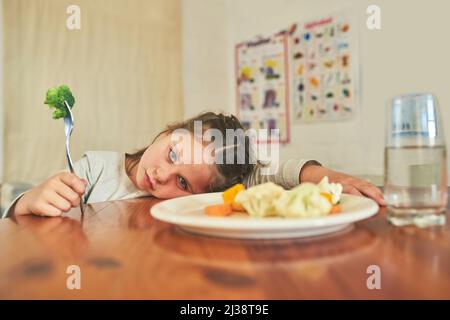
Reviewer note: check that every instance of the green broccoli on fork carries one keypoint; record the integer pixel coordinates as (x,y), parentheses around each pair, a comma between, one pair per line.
(55,99)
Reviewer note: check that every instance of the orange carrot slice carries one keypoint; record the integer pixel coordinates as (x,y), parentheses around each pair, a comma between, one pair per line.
(219,210)
(237,206)
(229,194)
(336,209)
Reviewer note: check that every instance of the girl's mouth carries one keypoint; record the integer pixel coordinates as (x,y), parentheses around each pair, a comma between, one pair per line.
(148,182)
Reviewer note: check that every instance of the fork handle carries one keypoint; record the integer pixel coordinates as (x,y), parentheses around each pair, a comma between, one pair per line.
(69,160)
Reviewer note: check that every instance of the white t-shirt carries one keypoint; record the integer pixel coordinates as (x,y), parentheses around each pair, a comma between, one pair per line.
(107,179)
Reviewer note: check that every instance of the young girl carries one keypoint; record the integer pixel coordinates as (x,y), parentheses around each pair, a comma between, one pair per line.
(164,171)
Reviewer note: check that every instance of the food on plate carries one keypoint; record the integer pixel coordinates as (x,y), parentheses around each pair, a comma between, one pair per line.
(336,209)
(333,190)
(307,200)
(259,200)
(303,201)
(55,98)
(219,210)
(229,196)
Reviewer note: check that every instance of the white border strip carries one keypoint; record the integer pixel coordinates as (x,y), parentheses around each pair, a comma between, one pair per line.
(2,110)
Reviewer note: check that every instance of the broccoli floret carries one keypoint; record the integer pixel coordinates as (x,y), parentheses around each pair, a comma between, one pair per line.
(55,99)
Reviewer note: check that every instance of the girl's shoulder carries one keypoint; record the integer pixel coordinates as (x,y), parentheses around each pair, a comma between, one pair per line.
(99,161)
(102,155)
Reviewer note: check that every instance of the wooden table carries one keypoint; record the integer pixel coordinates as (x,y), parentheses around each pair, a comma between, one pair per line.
(124,253)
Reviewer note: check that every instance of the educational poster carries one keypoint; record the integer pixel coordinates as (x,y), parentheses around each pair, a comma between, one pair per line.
(262,86)
(324,70)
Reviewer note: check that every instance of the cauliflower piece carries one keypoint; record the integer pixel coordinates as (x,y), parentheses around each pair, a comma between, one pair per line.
(259,200)
(304,201)
(335,189)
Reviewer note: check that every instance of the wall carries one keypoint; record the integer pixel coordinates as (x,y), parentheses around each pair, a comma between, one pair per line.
(409,54)
(205,55)
(123,66)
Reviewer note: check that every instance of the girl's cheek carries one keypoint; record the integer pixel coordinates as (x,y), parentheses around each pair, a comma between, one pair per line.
(167,192)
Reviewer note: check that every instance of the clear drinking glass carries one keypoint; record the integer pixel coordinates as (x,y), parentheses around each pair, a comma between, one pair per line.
(415,164)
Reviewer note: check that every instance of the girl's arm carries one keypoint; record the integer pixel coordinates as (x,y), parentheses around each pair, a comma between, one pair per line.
(292,172)
(349,183)
(52,197)
(286,174)
(22,203)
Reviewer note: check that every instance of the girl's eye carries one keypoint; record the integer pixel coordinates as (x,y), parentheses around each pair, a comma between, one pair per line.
(183,183)
(172,155)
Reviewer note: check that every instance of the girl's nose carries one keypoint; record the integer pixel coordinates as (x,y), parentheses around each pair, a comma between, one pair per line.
(162,175)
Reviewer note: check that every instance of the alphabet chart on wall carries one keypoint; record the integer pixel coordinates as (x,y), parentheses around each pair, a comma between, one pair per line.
(324,71)
(262,89)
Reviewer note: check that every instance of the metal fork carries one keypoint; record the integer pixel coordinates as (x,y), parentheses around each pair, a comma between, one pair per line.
(68,128)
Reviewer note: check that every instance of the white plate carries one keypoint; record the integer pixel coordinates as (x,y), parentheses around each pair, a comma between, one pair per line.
(188,213)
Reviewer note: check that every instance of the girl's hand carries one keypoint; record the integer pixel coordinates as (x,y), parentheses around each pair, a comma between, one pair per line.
(352,185)
(54,196)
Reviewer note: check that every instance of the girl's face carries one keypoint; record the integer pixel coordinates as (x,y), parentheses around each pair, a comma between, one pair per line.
(166,168)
